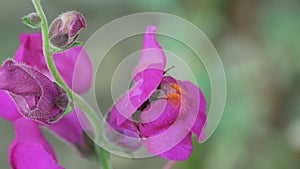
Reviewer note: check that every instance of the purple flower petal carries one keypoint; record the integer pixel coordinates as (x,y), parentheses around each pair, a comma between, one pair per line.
(198,105)
(35,95)
(125,135)
(30,52)
(67,60)
(69,128)
(8,109)
(153,56)
(176,109)
(183,113)
(165,134)
(147,76)
(167,140)
(32,155)
(181,151)
(160,124)
(30,149)
(193,103)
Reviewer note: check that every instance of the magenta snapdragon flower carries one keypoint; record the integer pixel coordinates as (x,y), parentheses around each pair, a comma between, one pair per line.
(159,112)
(29,99)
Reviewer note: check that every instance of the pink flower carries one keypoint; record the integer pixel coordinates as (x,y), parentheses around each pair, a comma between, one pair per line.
(162,111)
(30,149)
(30,52)
(26,86)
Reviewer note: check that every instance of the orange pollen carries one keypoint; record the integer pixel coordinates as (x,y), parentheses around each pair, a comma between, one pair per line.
(174,98)
(177,88)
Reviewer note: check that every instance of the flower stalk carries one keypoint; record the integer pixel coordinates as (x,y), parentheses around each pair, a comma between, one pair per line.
(47,49)
(77,100)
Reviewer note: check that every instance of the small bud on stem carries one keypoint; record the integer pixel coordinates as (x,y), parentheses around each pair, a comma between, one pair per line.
(64,30)
(33,20)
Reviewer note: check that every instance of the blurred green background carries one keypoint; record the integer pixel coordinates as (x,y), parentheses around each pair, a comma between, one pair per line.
(258,42)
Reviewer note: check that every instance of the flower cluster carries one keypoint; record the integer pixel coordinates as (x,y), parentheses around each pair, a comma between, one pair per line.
(29,99)
(159,112)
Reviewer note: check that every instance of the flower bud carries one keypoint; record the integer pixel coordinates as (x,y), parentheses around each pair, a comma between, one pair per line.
(35,95)
(64,30)
(32,20)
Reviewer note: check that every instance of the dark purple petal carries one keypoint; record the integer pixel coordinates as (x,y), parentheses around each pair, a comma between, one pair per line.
(30,52)
(8,109)
(124,136)
(30,149)
(147,76)
(36,97)
(183,107)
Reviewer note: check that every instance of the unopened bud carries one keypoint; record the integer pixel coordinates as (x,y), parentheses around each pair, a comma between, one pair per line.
(64,30)
(32,20)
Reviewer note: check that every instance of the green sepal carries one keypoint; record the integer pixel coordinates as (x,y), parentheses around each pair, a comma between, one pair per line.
(74,44)
(32,20)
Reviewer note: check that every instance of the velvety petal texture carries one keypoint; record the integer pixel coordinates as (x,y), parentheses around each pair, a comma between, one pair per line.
(30,52)
(36,96)
(30,145)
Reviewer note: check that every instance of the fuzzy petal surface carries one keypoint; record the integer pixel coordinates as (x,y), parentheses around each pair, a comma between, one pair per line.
(36,96)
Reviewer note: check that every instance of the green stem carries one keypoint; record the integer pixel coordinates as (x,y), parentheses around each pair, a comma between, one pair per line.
(93,118)
(47,49)
(105,158)
(104,155)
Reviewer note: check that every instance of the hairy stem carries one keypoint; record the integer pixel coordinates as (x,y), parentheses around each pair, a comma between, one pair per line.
(104,155)
(47,49)
(93,118)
